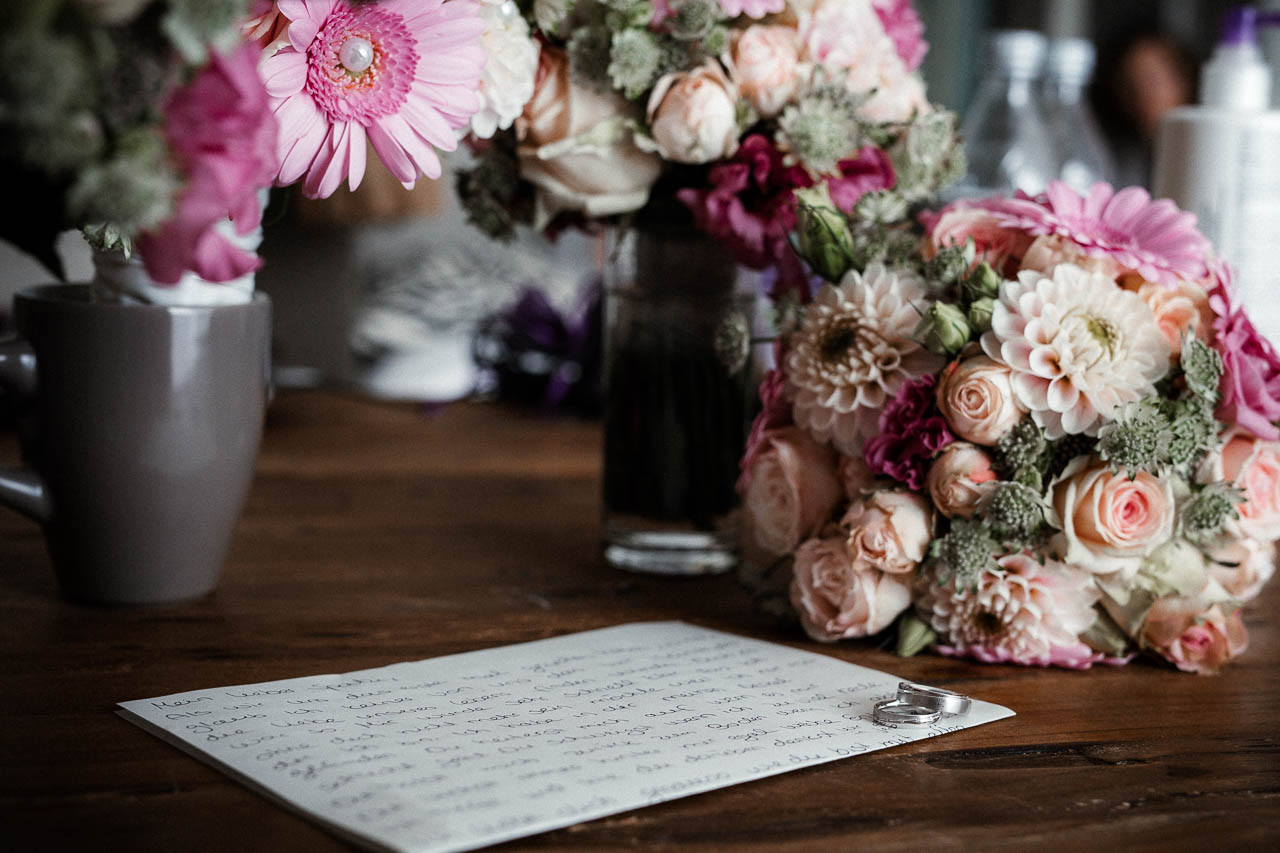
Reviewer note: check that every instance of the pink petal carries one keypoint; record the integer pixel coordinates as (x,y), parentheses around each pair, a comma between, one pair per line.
(302,133)
(330,165)
(284,73)
(359,150)
(392,155)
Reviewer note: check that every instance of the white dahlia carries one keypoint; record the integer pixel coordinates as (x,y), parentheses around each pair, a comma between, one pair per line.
(853,352)
(1023,612)
(1080,347)
(510,71)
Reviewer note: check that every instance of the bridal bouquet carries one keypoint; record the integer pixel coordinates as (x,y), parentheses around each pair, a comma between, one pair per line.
(1048,438)
(158,125)
(596,109)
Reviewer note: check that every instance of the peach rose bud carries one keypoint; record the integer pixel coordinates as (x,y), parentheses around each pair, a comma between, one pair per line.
(976,398)
(959,479)
(889,531)
(765,63)
(836,601)
(693,115)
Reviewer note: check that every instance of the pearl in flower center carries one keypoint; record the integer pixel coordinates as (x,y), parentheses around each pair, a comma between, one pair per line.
(356,54)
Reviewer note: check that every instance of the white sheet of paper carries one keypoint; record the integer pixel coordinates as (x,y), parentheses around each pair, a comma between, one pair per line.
(459,752)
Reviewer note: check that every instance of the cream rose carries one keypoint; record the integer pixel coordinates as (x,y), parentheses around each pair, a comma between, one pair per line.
(836,601)
(888,531)
(792,490)
(1253,466)
(764,62)
(575,149)
(1242,566)
(1180,310)
(1111,522)
(959,478)
(693,115)
(976,398)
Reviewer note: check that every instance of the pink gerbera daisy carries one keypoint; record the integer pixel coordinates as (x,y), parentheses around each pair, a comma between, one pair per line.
(1153,238)
(402,74)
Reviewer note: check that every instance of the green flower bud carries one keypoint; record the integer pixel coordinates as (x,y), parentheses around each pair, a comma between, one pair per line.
(980,314)
(950,263)
(914,634)
(943,329)
(823,233)
(982,282)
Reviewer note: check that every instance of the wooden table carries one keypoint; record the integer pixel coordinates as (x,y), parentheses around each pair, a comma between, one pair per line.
(377,533)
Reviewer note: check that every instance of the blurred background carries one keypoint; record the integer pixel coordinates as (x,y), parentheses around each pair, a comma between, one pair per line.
(383,291)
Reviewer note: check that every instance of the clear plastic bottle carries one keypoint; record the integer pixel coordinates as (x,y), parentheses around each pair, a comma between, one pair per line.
(1006,139)
(1083,156)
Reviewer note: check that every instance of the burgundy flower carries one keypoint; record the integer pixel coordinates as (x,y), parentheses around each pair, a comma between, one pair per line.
(911,432)
(751,208)
(871,170)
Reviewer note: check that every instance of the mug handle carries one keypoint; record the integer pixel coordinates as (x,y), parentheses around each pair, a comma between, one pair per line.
(21,489)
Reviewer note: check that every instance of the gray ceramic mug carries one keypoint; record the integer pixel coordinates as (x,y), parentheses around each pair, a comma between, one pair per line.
(139,428)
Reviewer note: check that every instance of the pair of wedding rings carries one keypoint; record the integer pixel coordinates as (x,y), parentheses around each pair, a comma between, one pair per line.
(920,705)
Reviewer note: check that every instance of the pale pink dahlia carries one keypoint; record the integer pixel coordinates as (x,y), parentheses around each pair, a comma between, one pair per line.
(1079,346)
(853,352)
(401,74)
(1154,238)
(1024,613)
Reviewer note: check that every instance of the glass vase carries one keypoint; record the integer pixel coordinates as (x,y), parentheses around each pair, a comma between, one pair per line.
(679,392)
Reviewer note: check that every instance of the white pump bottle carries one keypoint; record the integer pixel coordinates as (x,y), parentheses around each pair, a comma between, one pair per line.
(1221,161)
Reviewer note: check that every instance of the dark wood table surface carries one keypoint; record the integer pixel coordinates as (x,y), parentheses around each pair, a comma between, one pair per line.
(377,533)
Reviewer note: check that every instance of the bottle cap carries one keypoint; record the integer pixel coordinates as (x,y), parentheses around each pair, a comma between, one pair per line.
(1017,53)
(1071,60)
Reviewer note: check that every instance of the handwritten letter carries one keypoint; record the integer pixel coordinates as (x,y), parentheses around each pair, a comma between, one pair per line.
(459,752)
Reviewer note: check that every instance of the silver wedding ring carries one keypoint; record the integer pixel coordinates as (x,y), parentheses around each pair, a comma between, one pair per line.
(892,712)
(934,698)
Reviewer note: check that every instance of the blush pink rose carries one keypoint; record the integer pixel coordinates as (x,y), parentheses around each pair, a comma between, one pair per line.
(765,64)
(976,398)
(1253,466)
(835,601)
(1182,309)
(1111,521)
(593,179)
(959,479)
(889,531)
(995,244)
(1192,636)
(693,115)
(1242,567)
(792,490)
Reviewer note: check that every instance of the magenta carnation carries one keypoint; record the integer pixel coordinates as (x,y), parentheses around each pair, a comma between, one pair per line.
(871,170)
(751,208)
(1250,384)
(1153,238)
(221,132)
(912,431)
(906,30)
